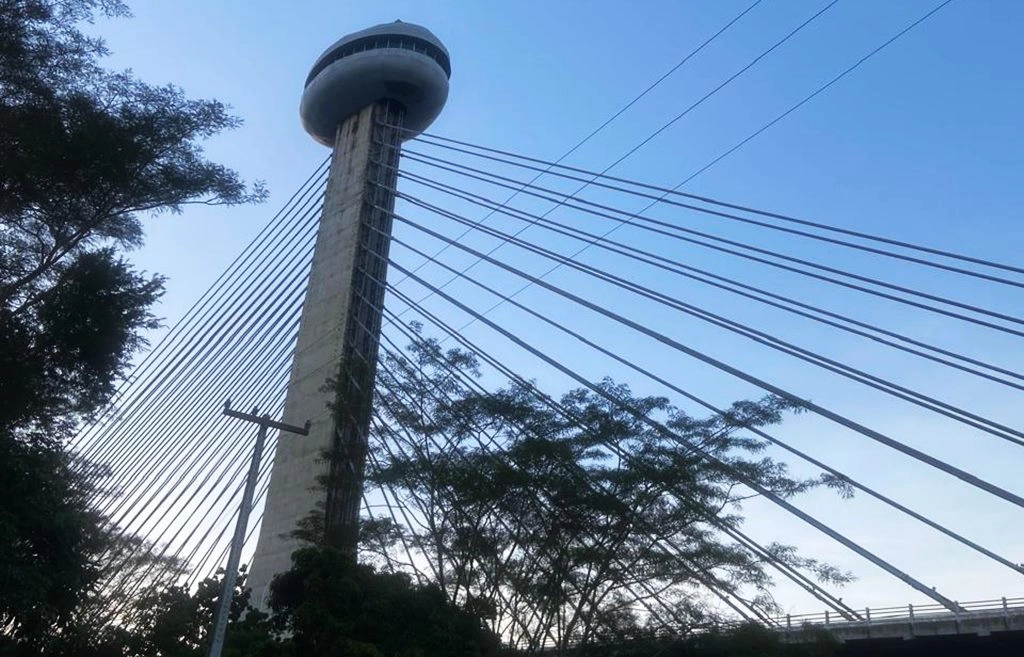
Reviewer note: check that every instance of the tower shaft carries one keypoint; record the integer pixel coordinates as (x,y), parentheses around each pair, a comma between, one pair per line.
(335,361)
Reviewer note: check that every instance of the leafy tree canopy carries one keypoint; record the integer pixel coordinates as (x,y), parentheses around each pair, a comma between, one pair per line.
(329,605)
(85,154)
(577,520)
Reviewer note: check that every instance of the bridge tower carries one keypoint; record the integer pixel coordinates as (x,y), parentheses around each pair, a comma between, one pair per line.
(363,96)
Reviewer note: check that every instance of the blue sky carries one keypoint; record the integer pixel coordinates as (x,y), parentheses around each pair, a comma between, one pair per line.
(921,143)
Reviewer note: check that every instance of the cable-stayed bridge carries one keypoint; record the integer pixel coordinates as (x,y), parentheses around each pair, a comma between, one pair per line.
(179,465)
(901,355)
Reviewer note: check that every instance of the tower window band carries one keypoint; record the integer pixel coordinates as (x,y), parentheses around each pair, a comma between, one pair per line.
(379,42)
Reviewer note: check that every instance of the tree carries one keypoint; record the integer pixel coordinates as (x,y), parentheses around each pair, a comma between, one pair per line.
(751,640)
(85,154)
(575,521)
(48,537)
(163,619)
(329,605)
(171,621)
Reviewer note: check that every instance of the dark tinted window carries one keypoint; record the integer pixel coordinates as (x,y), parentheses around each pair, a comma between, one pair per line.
(376,42)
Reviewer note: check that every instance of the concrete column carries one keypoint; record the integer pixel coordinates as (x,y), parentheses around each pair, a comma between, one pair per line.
(335,357)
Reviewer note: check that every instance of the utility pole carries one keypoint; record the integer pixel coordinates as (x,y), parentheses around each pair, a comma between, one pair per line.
(227,594)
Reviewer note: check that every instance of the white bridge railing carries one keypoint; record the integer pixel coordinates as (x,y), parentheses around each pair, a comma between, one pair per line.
(1007,606)
(979,616)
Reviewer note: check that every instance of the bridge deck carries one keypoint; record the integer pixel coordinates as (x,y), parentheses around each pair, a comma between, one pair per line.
(980,617)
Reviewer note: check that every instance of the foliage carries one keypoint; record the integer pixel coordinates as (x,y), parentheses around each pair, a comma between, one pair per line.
(329,605)
(85,153)
(162,619)
(751,640)
(573,521)
(61,356)
(48,535)
(169,621)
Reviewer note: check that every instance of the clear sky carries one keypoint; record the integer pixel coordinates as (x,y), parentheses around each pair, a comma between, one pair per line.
(922,143)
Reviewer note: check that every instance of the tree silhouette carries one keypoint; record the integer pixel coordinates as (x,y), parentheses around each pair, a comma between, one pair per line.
(85,154)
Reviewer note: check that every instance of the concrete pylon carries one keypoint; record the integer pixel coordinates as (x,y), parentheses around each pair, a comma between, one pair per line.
(336,353)
(365,94)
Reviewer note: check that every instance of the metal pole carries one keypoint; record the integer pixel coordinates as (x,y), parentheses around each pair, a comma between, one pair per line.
(227,593)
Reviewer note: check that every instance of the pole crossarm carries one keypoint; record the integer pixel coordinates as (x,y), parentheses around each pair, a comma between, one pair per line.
(265,421)
(220,620)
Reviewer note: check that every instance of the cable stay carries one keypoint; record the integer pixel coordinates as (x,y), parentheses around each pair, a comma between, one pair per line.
(738,476)
(469,383)
(221,363)
(493,445)
(221,353)
(201,568)
(181,361)
(793,108)
(197,393)
(193,506)
(718,364)
(466,381)
(669,229)
(218,290)
(636,98)
(166,560)
(171,462)
(218,459)
(664,199)
(703,275)
(703,98)
(163,556)
(390,563)
(878,383)
(720,412)
(761,615)
(209,360)
(384,424)
(179,475)
(174,475)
